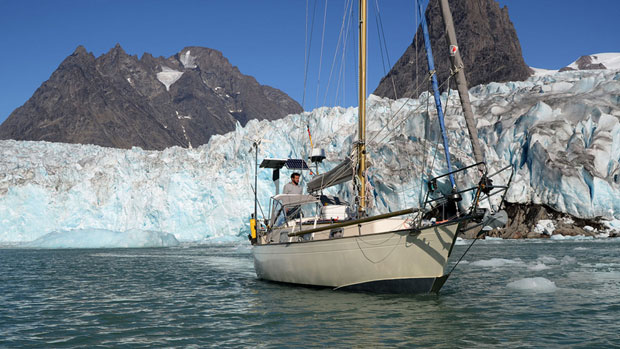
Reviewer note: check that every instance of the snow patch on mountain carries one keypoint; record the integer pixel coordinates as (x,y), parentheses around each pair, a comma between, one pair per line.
(188,60)
(168,76)
(560,132)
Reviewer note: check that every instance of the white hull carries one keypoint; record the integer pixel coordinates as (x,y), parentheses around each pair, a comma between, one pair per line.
(401,261)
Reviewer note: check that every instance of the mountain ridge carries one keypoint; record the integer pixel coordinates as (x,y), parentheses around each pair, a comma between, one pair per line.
(119,100)
(488,45)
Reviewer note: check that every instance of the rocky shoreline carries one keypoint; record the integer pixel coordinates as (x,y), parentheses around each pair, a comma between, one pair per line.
(530,221)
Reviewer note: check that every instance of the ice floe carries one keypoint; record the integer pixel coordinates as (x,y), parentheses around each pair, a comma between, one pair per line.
(497,262)
(535,284)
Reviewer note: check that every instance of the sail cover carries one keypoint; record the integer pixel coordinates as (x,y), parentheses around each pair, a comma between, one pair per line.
(339,174)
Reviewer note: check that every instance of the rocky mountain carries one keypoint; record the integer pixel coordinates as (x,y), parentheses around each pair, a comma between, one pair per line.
(488,44)
(118,100)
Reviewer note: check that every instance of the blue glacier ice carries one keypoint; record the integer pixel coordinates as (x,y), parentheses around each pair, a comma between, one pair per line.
(102,238)
(560,131)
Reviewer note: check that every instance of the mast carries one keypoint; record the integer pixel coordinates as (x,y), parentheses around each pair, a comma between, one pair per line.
(436,94)
(361,130)
(461,81)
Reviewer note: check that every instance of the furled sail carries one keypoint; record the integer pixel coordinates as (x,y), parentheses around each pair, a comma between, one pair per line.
(343,172)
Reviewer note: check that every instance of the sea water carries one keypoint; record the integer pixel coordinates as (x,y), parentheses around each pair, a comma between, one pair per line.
(536,293)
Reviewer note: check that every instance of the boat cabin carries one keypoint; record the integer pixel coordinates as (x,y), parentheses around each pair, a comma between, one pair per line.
(287,211)
(307,209)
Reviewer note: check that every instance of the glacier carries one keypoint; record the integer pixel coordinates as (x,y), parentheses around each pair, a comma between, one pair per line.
(102,238)
(560,131)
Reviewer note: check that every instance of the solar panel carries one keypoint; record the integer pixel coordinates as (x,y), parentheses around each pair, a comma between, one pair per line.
(272,163)
(296,164)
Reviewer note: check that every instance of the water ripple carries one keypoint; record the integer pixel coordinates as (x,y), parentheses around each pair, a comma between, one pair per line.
(201,296)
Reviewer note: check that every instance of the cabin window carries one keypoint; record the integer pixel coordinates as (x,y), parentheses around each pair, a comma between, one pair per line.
(277,214)
(309,210)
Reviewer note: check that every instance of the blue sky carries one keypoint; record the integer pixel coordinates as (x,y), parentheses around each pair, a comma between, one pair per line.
(266,39)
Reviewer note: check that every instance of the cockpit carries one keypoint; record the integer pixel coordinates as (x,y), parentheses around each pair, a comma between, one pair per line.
(306,209)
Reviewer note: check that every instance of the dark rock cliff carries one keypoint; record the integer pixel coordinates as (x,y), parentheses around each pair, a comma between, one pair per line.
(118,100)
(487,41)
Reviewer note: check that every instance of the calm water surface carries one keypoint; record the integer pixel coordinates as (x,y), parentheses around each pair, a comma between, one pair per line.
(200,296)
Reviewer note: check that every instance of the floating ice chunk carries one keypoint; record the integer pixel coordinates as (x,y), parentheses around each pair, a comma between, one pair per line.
(491,238)
(497,262)
(461,242)
(568,260)
(537,284)
(538,267)
(547,259)
(102,238)
(568,237)
(168,76)
(596,276)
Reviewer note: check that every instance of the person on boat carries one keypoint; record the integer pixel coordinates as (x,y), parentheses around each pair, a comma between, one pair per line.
(293,187)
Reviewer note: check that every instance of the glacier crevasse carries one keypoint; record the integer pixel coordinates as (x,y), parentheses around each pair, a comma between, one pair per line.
(561,132)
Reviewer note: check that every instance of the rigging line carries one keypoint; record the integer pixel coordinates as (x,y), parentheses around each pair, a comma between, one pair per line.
(306,38)
(309,45)
(341,72)
(417,86)
(467,250)
(395,126)
(379,36)
(382,45)
(337,174)
(415,42)
(307,64)
(252,187)
(425,156)
(396,113)
(429,174)
(353,54)
(342,26)
(387,54)
(445,108)
(393,116)
(318,83)
(258,201)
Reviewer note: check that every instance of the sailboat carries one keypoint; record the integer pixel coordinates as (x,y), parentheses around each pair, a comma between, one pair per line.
(320,240)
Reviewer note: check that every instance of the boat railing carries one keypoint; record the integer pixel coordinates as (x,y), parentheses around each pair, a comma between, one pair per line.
(447,206)
(355,221)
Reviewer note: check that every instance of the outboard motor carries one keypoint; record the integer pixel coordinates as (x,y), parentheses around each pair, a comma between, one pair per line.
(491,221)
